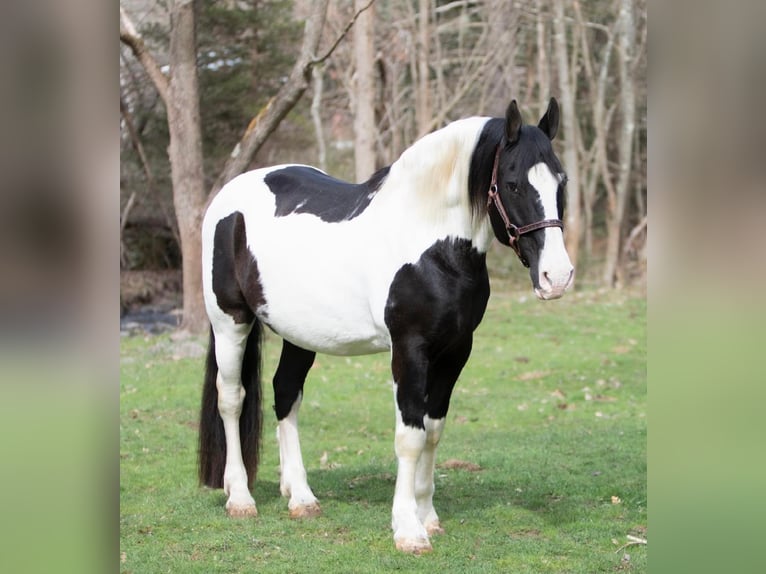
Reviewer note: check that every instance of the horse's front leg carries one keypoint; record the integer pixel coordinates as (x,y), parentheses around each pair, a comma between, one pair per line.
(443,374)
(410,371)
(409,533)
(424,477)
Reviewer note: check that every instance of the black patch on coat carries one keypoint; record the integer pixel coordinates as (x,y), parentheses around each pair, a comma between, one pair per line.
(236,281)
(433,307)
(304,189)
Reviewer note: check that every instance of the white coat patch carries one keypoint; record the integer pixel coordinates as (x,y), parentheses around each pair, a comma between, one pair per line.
(554,267)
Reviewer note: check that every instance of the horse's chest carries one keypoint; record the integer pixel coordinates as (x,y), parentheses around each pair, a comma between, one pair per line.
(442,297)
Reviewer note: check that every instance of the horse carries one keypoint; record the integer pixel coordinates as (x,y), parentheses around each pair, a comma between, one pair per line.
(396,263)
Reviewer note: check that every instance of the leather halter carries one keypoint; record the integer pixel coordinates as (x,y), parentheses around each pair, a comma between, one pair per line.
(514,232)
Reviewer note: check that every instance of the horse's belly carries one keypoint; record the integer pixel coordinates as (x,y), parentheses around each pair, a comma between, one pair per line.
(338,327)
(328,302)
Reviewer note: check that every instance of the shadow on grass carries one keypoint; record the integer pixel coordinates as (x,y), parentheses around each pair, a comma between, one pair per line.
(462,494)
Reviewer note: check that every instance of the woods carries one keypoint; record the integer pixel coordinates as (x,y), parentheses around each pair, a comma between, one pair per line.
(376,76)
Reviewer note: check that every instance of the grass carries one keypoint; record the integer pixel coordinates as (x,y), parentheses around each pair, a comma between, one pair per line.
(551,407)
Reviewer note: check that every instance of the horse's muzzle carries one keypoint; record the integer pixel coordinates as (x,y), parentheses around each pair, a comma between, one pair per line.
(554,286)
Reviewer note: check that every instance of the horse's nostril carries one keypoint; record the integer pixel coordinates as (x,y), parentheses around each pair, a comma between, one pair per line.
(546,280)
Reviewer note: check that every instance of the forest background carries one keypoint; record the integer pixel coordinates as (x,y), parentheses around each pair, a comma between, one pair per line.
(211,89)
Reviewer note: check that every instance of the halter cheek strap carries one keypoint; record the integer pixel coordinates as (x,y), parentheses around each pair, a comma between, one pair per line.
(514,232)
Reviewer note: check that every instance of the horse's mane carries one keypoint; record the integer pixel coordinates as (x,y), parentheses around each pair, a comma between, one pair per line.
(437,166)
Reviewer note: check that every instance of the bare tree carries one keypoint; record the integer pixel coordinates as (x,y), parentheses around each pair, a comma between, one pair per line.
(594,164)
(317,75)
(364,93)
(569,123)
(543,69)
(423,113)
(180,94)
(619,200)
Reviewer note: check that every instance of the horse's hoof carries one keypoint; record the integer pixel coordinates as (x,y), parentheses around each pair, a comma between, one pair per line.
(416,546)
(434,528)
(306,511)
(245,511)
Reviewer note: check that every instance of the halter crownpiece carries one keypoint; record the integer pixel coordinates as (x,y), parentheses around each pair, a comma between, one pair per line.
(514,232)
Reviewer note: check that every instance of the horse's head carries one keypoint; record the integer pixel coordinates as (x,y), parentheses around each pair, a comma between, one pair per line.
(526,200)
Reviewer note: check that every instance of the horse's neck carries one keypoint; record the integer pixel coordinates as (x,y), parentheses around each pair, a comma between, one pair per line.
(431,178)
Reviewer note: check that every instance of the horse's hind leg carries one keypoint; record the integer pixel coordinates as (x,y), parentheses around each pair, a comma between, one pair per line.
(294,365)
(230,345)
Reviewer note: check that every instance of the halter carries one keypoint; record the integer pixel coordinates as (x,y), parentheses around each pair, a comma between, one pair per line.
(513,231)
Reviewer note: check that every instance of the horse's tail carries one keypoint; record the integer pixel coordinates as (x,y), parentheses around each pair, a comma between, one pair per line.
(212,440)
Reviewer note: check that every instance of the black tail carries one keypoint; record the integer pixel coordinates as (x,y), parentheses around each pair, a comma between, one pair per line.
(212,440)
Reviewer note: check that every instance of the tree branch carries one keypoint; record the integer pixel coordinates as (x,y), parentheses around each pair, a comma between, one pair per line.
(130,36)
(339,39)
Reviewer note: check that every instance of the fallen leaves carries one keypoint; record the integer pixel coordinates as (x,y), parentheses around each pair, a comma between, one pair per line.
(453,463)
(632,541)
(325,464)
(532,375)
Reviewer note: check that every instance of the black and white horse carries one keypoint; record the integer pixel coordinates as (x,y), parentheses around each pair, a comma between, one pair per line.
(397,263)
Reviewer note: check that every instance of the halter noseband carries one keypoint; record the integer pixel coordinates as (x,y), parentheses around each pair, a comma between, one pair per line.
(514,232)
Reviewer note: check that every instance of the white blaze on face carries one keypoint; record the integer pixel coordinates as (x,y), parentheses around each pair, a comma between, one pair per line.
(555,269)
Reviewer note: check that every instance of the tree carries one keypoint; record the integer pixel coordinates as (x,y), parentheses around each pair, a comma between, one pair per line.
(364,94)
(180,95)
(569,123)
(619,200)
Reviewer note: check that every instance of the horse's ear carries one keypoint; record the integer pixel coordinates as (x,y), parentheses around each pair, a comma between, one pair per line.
(512,122)
(549,123)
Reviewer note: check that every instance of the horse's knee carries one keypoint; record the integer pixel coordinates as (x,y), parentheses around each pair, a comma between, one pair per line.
(434,428)
(409,442)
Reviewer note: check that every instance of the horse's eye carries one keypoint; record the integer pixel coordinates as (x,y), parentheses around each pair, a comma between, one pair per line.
(511,185)
(563,179)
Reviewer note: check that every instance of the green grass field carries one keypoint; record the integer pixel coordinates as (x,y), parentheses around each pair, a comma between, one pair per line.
(546,443)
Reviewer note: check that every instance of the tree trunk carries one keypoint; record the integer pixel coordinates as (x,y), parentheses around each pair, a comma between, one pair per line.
(364,98)
(625,144)
(423,111)
(543,70)
(569,124)
(185,152)
(316,104)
